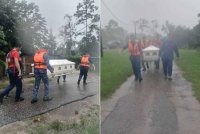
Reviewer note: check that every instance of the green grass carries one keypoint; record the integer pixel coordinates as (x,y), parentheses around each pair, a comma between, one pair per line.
(115,68)
(189,63)
(88,124)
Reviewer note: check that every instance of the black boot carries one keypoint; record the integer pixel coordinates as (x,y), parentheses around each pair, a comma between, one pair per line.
(84,82)
(140,79)
(46,98)
(1,98)
(58,79)
(64,77)
(19,99)
(78,82)
(144,69)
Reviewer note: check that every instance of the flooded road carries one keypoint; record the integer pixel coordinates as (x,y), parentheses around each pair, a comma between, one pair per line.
(155,106)
(62,93)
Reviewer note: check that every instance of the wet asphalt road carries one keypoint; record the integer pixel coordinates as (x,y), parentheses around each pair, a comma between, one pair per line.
(62,93)
(155,106)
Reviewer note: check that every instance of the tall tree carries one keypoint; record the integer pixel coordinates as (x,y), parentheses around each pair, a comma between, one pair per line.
(154,26)
(87,15)
(112,32)
(22,23)
(3,43)
(51,43)
(195,35)
(67,32)
(168,28)
(31,26)
(143,24)
(8,23)
(181,34)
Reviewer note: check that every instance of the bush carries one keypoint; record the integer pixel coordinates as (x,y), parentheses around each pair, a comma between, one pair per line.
(76,59)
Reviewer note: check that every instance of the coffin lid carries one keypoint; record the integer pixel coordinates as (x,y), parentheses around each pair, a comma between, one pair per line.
(151,48)
(59,62)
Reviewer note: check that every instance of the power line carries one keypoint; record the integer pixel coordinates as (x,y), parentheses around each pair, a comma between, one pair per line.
(84,27)
(115,15)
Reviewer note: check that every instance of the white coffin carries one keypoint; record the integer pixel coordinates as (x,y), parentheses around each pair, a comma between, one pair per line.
(151,53)
(61,67)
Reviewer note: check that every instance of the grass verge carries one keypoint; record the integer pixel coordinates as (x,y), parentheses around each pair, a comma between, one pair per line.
(189,63)
(115,68)
(88,123)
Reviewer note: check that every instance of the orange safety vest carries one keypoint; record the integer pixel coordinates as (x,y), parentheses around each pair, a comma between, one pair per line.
(39,61)
(85,61)
(10,58)
(133,49)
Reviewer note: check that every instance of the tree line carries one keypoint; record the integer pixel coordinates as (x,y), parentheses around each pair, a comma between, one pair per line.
(184,37)
(22,23)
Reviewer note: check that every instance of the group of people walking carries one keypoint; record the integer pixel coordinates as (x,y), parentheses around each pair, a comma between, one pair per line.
(167,48)
(41,64)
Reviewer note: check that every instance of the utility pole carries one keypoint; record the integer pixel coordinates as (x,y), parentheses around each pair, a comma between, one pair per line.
(101,41)
(135,27)
(86,25)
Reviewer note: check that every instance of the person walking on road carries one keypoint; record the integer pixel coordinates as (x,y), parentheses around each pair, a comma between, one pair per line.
(14,73)
(157,43)
(21,67)
(84,68)
(135,52)
(41,64)
(167,54)
(144,44)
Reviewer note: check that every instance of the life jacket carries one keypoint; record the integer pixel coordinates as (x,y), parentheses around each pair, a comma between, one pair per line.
(10,59)
(134,50)
(39,61)
(85,61)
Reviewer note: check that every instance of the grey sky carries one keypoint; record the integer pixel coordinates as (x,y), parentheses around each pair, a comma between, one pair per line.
(54,11)
(178,12)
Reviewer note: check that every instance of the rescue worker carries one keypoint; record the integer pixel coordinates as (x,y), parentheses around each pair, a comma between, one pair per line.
(41,64)
(14,73)
(143,44)
(21,67)
(135,52)
(167,54)
(146,44)
(157,43)
(84,68)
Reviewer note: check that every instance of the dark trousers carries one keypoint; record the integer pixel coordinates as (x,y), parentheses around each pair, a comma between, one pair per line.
(167,66)
(58,79)
(83,73)
(38,77)
(14,80)
(131,59)
(136,64)
(157,63)
(143,65)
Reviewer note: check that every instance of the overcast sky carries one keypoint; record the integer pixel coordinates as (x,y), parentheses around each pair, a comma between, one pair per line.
(54,11)
(178,12)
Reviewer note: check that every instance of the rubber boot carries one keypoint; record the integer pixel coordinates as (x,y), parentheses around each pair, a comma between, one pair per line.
(1,98)
(78,82)
(84,82)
